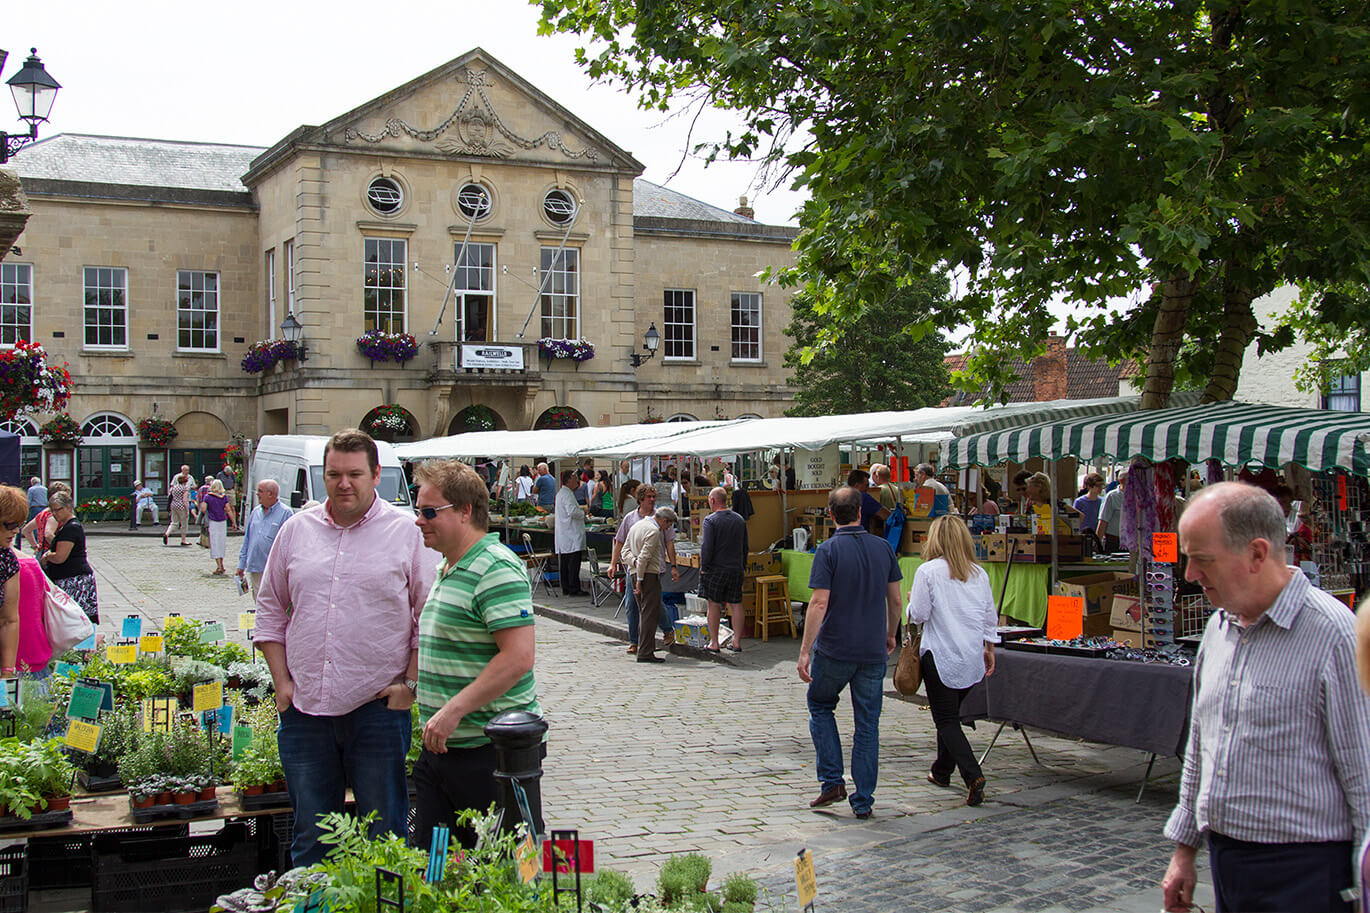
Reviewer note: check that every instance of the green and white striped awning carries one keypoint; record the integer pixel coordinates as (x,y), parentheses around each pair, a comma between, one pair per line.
(1234,433)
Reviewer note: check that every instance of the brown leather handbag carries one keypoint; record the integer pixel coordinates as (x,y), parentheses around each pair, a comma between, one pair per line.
(908,675)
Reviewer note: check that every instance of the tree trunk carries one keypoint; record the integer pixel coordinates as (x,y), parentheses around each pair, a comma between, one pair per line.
(1239,325)
(1166,335)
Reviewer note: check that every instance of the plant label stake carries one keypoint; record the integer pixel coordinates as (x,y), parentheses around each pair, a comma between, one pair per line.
(804,880)
(242,737)
(7,722)
(396,881)
(437,854)
(565,844)
(132,627)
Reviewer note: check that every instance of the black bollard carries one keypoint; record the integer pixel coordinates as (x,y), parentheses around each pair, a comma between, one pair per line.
(517,737)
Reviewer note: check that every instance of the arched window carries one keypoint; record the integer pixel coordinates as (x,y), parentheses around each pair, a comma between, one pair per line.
(20,426)
(560,417)
(390,423)
(107,425)
(682,417)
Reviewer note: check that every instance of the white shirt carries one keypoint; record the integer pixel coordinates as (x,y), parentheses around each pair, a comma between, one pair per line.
(958,619)
(524,487)
(569,533)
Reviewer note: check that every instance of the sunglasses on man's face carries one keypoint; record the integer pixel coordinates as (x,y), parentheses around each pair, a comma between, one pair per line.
(428,513)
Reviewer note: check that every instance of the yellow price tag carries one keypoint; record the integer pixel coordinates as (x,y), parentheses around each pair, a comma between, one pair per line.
(209,696)
(83,736)
(804,878)
(247,621)
(528,858)
(122,654)
(150,643)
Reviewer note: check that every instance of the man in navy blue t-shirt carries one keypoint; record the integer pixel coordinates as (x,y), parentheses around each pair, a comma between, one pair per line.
(545,487)
(848,636)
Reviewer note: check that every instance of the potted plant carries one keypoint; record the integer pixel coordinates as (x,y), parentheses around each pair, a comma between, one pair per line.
(139,796)
(207,785)
(185,790)
(50,773)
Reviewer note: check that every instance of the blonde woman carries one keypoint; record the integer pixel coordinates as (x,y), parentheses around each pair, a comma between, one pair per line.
(952,600)
(217,508)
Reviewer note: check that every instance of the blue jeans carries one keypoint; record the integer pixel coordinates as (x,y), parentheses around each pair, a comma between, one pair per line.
(323,755)
(867,681)
(664,624)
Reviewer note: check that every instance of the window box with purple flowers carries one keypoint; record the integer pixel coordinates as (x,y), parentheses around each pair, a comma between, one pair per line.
(577,350)
(261,356)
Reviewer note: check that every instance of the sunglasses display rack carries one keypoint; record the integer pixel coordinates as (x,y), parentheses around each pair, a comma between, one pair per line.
(1158,604)
(1340,523)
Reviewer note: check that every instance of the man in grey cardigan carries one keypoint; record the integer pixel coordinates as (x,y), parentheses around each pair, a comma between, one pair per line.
(722,557)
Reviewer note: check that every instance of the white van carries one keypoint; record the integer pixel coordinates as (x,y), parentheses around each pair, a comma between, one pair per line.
(295,462)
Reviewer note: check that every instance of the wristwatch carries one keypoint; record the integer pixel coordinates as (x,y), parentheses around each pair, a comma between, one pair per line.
(412,685)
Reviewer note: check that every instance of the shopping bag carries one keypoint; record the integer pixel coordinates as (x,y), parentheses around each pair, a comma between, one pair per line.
(66,622)
(908,675)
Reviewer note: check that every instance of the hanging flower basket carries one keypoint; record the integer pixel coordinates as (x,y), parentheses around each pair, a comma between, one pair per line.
(388,420)
(61,429)
(261,356)
(379,346)
(28,383)
(574,349)
(233,456)
(559,417)
(156,432)
(476,418)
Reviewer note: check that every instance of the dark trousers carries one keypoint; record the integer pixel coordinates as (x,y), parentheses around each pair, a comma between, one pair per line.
(953,751)
(649,613)
(1289,877)
(569,568)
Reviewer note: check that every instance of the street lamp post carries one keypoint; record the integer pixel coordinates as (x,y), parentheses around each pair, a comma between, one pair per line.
(34,92)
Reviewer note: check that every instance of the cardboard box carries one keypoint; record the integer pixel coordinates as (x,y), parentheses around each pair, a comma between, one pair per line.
(1095,589)
(1131,638)
(911,541)
(1031,549)
(760,564)
(1126,613)
(1095,625)
(691,632)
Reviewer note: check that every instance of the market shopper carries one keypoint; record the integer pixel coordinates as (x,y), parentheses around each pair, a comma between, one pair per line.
(545,487)
(65,560)
(1109,527)
(523,485)
(722,560)
(849,633)
(1276,775)
(1088,504)
(178,504)
(885,490)
(260,531)
(925,476)
(42,527)
(952,600)
(337,621)
(873,514)
(568,538)
(643,554)
(216,513)
(14,509)
(646,505)
(476,648)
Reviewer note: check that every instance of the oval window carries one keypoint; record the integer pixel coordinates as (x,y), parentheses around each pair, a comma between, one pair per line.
(559,207)
(473,201)
(385,195)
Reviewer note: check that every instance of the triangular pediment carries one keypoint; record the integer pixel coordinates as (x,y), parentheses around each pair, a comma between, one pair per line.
(474,106)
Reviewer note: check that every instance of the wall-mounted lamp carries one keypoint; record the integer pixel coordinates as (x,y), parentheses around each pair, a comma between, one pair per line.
(293,331)
(650,340)
(34,92)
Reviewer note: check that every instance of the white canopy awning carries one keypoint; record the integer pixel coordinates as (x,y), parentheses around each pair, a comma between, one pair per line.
(552,444)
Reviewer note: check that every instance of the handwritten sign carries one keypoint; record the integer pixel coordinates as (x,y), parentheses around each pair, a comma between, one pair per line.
(151,643)
(242,737)
(66,669)
(804,878)
(122,654)
(84,703)
(171,621)
(247,621)
(1165,548)
(212,632)
(1065,617)
(207,696)
(132,627)
(528,858)
(83,736)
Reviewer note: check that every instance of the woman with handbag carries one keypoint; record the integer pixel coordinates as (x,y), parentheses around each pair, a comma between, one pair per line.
(216,513)
(66,563)
(951,598)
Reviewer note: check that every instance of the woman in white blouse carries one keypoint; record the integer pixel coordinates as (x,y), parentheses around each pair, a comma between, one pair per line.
(952,600)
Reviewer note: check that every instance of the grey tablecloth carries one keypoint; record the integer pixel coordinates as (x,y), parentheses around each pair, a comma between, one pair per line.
(1136,705)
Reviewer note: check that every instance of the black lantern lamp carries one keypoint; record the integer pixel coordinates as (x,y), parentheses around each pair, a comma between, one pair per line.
(34,92)
(293,331)
(650,341)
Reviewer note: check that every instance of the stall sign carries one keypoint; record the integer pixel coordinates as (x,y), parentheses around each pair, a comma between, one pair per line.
(1165,548)
(122,654)
(242,737)
(805,882)
(1065,617)
(247,621)
(528,858)
(212,632)
(817,468)
(132,627)
(488,355)
(84,703)
(150,643)
(207,696)
(83,736)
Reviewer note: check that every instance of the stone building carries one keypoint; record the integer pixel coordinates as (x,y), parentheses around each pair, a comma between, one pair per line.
(465,208)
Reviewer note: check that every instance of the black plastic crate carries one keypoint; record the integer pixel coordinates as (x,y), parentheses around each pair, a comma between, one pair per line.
(14,880)
(170,873)
(64,862)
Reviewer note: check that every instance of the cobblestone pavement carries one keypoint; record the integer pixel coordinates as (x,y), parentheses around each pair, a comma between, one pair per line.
(715,757)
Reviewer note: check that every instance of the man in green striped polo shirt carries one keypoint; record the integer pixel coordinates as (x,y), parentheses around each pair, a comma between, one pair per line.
(475,647)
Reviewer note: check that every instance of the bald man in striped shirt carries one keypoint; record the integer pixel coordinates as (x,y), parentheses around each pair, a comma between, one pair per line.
(1277,773)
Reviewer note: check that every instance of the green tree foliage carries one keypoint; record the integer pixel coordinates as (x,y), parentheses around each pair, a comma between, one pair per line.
(872,361)
(1036,150)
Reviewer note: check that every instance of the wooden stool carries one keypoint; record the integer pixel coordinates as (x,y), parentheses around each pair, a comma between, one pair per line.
(773,605)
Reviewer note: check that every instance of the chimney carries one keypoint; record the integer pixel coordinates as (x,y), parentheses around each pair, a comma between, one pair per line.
(1049,371)
(744,210)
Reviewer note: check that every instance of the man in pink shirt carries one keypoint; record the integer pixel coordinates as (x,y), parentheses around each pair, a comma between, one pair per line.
(337,620)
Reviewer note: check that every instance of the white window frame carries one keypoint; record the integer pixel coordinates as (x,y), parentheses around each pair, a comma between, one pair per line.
(560,285)
(183,313)
(271,325)
(86,308)
(1343,393)
(679,333)
(372,317)
(11,286)
(734,327)
(461,288)
(289,247)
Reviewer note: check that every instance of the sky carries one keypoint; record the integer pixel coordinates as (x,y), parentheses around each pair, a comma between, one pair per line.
(250,72)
